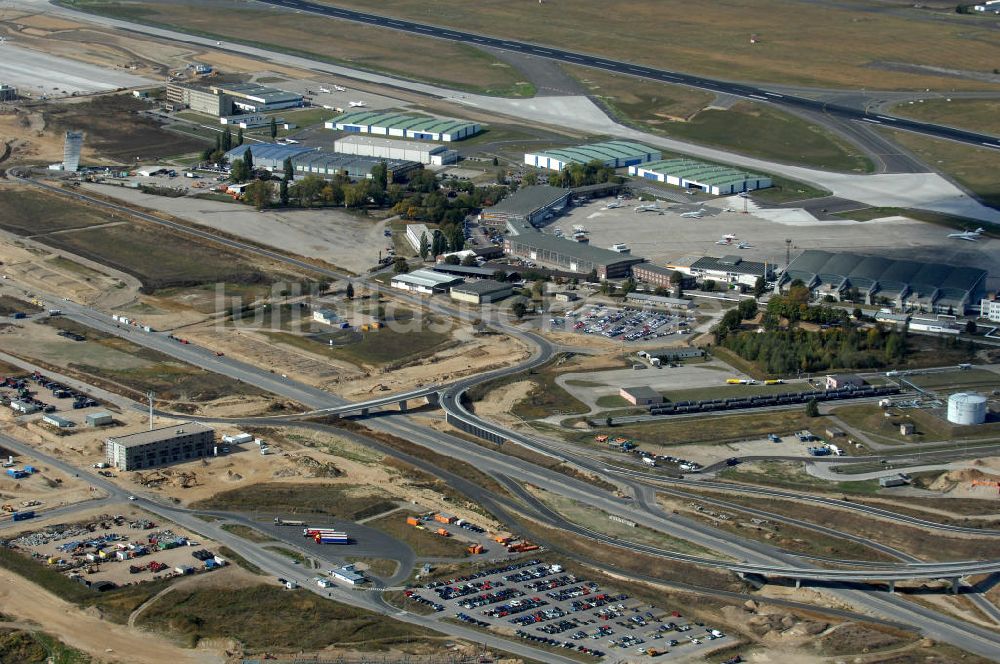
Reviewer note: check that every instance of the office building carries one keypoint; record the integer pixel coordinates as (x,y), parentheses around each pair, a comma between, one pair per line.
(176,443)
(528,205)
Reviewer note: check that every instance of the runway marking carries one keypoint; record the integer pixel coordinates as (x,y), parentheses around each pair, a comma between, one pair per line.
(757,97)
(773,94)
(991,145)
(641,71)
(871,120)
(572,57)
(888,119)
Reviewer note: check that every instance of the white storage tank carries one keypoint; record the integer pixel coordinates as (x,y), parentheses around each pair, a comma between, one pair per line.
(966,408)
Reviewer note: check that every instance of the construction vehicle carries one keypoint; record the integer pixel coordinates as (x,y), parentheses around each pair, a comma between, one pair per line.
(443,533)
(475,549)
(8,508)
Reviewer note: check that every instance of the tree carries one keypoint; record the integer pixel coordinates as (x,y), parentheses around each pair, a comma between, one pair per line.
(218,142)
(661,291)
(858,313)
(258,192)
(812,408)
(469,261)
(456,240)
(227,140)
(608,422)
(289,169)
(501,176)
(380,175)
(628,286)
(592,275)
(349,292)
(425,246)
(708,285)
(496,162)
(747,309)
(355,195)
(400,266)
(273,128)
(451,260)
(971,327)
(238,171)
(239,136)
(438,244)
(530,178)
(538,289)
(759,287)
(519,309)
(283,193)
(248,160)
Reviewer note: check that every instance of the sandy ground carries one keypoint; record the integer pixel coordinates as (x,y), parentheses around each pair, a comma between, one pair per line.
(29,266)
(85,631)
(50,488)
(498,403)
(346,240)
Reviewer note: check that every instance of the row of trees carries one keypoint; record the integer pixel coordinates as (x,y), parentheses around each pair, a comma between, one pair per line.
(575,175)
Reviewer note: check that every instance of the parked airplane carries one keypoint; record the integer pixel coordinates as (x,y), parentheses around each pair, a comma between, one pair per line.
(612,205)
(652,207)
(580,229)
(325,90)
(339,88)
(357,104)
(744,245)
(697,214)
(970,236)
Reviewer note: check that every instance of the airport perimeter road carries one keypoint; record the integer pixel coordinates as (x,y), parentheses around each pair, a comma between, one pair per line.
(641,71)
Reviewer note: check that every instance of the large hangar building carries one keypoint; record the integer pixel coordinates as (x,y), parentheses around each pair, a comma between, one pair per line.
(934,287)
(388,148)
(404,125)
(692,174)
(311,161)
(614,154)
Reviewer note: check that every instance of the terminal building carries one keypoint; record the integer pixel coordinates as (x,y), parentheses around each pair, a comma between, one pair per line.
(614,154)
(388,148)
(526,206)
(933,287)
(312,161)
(199,98)
(990,310)
(253,98)
(176,443)
(8,93)
(710,178)
(403,125)
(730,269)
(567,255)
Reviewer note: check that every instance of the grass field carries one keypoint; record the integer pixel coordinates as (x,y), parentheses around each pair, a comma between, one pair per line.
(10,305)
(595,519)
(336,500)
(115,130)
(350,44)
(837,45)
(171,379)
(973,168)
(267,617)
(37,648)
(790,475)
(930,427)
(783,190)
(724,429)
(755,129)
(424,542)
(247,533)
(33,212)
(981,115)
(379,348)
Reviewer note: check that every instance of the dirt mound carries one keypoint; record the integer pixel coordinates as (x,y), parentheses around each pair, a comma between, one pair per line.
(953,479)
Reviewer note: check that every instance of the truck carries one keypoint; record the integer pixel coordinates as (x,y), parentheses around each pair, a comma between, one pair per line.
(238,439)
(287,522)
(340,538)
(23,516)
(312,532)
(649,461)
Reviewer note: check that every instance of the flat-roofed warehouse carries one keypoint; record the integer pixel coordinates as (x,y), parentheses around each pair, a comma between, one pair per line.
(614,154)
(311,161)
(424,281)
(711,178)
(176,443)
(933,287)
(388,148)
(527,205)
(482,292)
(564,254)
(403,125)
(255,98)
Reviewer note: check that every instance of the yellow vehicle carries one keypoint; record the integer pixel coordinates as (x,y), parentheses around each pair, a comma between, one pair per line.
(733,381)
(774,381)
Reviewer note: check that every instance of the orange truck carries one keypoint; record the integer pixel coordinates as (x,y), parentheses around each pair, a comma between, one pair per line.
(475,549)
(412,521)
(444,518)
(443,533)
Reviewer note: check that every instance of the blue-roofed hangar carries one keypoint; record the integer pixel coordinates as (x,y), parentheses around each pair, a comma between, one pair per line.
(404,125)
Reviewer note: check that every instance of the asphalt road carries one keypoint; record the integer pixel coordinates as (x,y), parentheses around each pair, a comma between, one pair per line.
(642,71)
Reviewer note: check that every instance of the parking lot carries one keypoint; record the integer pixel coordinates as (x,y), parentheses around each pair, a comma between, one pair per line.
(542,603)
(43,395)
(625,324)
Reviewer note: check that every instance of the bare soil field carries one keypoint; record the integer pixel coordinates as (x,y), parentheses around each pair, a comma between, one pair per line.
(830,45)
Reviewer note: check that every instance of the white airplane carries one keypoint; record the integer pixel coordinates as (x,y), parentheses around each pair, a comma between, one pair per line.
(357,104)
(697,214)
(744,245)
(340,88)
(324,90)
(612,205)
(724,241)
(970,236)
(580,229)
(652,207)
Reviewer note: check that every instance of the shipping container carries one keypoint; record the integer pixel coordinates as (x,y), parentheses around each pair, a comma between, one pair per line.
(22,516)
